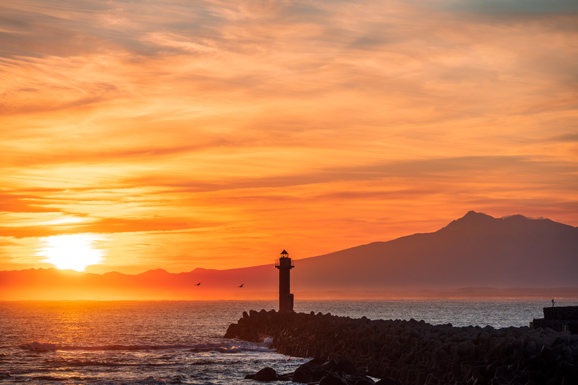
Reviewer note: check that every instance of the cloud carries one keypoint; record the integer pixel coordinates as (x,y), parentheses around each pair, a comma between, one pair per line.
(101,226)
(21,202)
(569,138)
(349,120)
(497,7)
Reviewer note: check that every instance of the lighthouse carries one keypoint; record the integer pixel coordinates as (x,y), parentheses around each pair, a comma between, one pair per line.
(285,265)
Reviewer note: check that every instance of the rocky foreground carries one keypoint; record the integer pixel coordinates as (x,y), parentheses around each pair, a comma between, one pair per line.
(415,353)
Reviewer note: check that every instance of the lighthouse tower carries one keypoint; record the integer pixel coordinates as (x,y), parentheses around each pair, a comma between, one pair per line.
(285,265)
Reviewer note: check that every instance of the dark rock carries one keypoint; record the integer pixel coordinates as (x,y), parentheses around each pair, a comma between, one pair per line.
(361,380)
(329,365)
(303,374)
(265,375)
(333,379)
(570,380)
(339,365)
(285,377)
(310,372)
(388,381)
(500,381)
(501,371)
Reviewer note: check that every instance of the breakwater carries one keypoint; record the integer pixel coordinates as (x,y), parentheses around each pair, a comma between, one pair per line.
(416,353)
(559,318)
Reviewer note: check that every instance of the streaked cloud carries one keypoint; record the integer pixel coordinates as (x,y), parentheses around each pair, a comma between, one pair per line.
(186,130)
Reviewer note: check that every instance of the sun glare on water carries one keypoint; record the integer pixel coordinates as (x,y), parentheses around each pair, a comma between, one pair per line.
(75,251)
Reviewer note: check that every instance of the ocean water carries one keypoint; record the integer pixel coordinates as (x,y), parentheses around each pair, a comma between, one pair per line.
(141,342)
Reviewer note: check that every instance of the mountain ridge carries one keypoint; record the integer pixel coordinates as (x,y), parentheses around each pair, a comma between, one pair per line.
(476,250)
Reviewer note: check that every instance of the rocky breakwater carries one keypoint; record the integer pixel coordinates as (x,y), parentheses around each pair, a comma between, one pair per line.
(416,353)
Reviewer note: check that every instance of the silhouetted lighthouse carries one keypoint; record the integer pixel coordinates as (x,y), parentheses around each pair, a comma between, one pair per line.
(285,265)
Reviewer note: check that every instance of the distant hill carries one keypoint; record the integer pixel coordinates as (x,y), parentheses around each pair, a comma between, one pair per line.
(474,256)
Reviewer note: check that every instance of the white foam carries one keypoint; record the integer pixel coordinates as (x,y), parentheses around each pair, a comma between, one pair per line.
(268,340)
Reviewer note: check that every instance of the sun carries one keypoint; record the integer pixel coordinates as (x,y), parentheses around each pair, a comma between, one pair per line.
(74,252)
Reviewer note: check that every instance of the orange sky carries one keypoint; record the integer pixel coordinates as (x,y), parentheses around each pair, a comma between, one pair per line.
(215,133)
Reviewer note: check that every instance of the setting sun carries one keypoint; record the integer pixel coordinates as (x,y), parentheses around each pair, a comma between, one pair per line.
(75,252)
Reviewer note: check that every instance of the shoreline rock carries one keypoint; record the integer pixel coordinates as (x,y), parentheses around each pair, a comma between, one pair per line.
(416,353)
(317,371)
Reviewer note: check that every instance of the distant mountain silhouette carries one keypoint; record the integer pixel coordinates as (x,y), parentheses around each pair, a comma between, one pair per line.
(476,250)
(476,255)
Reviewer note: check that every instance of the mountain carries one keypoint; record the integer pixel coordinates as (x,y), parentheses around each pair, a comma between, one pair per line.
(476,250)
(476,255)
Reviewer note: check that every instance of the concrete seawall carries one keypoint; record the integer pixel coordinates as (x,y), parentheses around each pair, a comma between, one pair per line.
(559,319)
(417,353)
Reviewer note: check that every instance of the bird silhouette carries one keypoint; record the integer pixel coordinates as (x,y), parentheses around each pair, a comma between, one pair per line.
(241,285)
(198,284)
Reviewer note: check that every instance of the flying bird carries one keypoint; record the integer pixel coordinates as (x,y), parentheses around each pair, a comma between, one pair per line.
(198,284)
(241,285)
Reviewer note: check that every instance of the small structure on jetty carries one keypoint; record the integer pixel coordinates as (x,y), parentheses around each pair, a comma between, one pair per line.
(284,264)
(561,319)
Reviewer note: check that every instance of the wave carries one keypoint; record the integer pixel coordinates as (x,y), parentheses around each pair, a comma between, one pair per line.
(39,347)
(227,347)
(149,380)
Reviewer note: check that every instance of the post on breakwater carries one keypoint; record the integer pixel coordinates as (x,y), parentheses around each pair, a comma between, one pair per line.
(284,264)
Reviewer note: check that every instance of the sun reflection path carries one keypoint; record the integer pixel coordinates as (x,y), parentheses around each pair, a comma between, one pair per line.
(75,251)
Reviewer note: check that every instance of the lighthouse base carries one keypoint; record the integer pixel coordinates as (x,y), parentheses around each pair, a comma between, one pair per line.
(286,303)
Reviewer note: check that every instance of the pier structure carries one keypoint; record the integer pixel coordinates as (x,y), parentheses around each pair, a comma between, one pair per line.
(563,318)
(284,264)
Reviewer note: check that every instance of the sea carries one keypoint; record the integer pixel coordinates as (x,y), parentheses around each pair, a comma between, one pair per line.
(160,342)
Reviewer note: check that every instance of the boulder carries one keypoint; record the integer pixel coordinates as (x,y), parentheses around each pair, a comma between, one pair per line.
(333,379)
(311,371)
(303,374)
(339,365)
(361,380)
(265,375)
